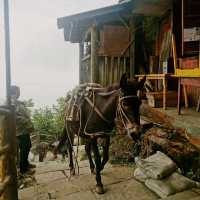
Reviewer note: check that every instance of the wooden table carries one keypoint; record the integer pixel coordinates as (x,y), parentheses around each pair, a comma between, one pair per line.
(182,82)
(164,78)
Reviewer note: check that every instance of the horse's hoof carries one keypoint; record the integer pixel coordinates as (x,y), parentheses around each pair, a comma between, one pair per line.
(99,190)
(72,172)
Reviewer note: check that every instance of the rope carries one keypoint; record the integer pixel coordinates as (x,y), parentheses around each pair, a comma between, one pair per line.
(75,156)
(121,112)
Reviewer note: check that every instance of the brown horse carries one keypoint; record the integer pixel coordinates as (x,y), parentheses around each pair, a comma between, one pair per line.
(97,119)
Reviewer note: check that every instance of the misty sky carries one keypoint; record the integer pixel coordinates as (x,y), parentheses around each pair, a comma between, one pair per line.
(43,65)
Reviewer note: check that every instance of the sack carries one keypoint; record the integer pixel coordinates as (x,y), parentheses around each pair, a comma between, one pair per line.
(139,175)
(170,185)
(156,166)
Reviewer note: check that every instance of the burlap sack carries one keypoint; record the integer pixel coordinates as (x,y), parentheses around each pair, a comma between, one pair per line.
(170,185)
(139,175)
(156,166)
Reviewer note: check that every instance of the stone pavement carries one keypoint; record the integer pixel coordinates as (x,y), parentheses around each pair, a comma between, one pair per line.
(53,182)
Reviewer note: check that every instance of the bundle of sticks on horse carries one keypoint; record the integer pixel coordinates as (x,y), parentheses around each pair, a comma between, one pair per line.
(92,112)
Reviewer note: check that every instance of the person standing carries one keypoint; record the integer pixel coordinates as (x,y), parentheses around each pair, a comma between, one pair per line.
(24,127)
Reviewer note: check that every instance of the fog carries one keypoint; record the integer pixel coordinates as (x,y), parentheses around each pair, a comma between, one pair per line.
(43,65)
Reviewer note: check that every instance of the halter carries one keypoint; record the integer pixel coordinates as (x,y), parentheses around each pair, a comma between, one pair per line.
(120,112)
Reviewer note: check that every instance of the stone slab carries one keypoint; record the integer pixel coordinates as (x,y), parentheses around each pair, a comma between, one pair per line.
(49,177)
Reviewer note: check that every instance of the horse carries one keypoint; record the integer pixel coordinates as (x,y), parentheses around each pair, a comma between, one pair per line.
(98,114)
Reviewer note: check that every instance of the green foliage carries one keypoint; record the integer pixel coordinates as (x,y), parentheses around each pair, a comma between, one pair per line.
(29,103)
(49,121)
(59,114)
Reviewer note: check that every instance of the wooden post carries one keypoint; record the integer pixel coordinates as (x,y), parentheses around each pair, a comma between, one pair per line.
(124,65)
(164,92)
(112,70)
(81,74)
(198,105)
(139,43)
(8,173)
(94,55)
(132,47)
(182,27)
(118,69)
(179,96)
(185,96)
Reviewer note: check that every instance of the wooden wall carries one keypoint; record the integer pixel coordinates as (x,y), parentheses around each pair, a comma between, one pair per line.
(111,52)
(193,91)
(111,69)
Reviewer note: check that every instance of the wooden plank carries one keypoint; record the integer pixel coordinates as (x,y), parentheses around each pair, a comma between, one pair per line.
(94,56)
(112,69)
(124,65)
(185,96)
(179,96)
(174,51)
(164,93)
(81,74)
(106,70)
(198,105)
(118,69)
(182,27)
(153,76)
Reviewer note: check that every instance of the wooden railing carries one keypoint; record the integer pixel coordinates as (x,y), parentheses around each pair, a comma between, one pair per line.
(8,172)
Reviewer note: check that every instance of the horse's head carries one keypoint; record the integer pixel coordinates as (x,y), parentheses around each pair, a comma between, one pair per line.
(129,104)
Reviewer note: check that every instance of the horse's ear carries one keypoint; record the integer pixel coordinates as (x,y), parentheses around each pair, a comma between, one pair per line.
(141,83)
(123,81)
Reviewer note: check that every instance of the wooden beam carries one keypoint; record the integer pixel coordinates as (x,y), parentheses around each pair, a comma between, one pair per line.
(182,27)
(94,55)
(132,48)
(81,75)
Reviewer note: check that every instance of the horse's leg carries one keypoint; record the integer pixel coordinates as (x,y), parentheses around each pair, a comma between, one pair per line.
(70,158)
(105,152)
(97,157)
(70,141)
(88,152)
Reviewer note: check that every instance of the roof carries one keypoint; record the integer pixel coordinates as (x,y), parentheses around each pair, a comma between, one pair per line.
(75,25)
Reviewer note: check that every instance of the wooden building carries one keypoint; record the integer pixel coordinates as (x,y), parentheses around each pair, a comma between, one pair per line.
(159,38)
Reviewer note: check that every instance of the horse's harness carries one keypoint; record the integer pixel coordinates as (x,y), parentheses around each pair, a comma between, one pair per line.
(119,112)
(90,99)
